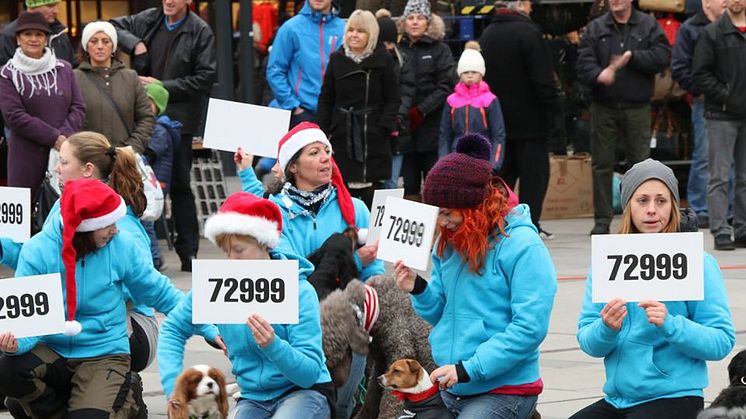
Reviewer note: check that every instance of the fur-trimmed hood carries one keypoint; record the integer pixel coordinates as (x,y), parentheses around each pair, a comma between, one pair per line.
(436,28)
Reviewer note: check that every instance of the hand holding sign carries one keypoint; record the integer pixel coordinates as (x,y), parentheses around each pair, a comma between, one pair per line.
(613,313)
(407,233)
(8,343)
(262,331)
(405,277)
(15,213)
(656,311)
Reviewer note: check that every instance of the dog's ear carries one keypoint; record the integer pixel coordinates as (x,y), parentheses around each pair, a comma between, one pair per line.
(177,404)
(222,398)
(413,365)
(359,341)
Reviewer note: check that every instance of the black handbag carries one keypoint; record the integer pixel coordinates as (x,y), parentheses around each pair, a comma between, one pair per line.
(43,203)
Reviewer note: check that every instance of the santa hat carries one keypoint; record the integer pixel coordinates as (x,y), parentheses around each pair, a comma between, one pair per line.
(245,214)
(307,133)
(85,205)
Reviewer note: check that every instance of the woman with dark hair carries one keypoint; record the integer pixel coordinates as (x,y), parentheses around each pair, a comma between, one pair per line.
(491,290)
(117,104)
(40,102)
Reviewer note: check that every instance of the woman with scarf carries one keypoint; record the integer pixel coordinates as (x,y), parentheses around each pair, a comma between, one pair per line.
(40,102)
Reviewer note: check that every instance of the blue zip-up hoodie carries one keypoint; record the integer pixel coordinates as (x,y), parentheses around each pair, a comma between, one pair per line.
(299,55)
(293,359)
(303,234)
(100,280)
(645,362)
(164,140)
(492,323)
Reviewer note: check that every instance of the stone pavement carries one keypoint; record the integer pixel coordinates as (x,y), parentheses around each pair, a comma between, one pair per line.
(572,379)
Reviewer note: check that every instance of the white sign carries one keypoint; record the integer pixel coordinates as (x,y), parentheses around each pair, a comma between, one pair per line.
(378,211)
(15,213)
(32,305)
(637,267)
(407,233)
(257,129)
(229,291)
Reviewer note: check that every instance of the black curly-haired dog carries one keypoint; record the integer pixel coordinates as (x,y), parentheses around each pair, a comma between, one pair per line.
(334,262)
(731,402)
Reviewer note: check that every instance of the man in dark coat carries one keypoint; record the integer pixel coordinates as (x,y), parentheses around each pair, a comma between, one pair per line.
(618,57)
(519,72)
(177,47)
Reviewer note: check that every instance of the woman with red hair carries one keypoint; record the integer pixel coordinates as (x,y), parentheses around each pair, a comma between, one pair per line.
(491,289)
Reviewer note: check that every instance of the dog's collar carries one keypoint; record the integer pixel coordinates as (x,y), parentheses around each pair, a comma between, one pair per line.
(416,397)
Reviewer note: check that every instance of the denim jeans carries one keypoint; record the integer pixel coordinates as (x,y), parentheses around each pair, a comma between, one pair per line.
(149,227)
(699,176)
(396,162)
(490,406)
(298,404)
(346,394)
(728,146)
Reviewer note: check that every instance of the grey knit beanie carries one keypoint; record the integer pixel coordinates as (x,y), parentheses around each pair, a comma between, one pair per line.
(646,170)
(417,6)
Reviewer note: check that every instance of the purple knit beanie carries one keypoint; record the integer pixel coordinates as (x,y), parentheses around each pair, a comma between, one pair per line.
(459,180)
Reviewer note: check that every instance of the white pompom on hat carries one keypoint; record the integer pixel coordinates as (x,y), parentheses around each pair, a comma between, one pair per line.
(96,27)
(86,205)
(245,214)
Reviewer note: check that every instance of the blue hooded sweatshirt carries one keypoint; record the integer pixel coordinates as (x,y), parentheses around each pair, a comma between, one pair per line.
(293,359)
(301,233)
(299,55)
(164,140)
(492,323)
(101,277)
(645,362)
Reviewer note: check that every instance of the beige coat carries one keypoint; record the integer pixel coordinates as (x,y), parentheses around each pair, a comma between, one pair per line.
(128,94)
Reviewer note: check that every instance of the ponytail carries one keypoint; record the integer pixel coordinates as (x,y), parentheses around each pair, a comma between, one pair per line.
(125,179)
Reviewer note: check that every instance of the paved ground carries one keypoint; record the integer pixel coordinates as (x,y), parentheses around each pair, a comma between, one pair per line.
(572,379)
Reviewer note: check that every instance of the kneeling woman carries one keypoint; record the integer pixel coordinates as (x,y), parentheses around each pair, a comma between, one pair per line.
(280,368)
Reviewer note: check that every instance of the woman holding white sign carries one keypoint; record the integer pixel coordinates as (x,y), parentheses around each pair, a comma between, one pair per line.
(280,368)
(655,352)
(84,372)
(491,291)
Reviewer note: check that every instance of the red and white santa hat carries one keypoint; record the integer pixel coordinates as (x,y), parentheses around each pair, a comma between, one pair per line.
(307,133)
(245,214)
(86,205)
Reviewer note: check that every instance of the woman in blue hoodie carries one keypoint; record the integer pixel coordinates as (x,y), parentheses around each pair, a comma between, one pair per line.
(280,368)
(655,352)
(491,290)
(85,371)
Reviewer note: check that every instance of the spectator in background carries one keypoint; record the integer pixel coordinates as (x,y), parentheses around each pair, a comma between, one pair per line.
(719,72)
(299,55)
(472,108)
(618,57)
(175,46)
(116,103)
(58,39)
(681,71)
(358,106)
(432,62)
(519,72)
(40,102)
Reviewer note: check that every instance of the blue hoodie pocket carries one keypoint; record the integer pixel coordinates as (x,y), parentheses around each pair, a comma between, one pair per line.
(456,338)
(638,377)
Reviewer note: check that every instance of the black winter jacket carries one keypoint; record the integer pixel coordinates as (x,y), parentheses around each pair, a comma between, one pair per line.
(60,43)
(357,108)
(190,67)
(720,70)
(634,83)
(683,50)
(431,63)
(519,72)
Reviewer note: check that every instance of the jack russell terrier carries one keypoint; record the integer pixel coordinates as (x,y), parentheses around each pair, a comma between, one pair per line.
(410,382)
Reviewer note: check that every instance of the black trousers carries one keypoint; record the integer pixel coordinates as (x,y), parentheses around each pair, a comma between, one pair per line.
(528,160)
(182,201)
(414,169)
(675,408)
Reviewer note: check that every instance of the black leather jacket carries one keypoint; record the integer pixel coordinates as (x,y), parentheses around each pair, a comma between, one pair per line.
(720,70)
(191,64)
(603,38)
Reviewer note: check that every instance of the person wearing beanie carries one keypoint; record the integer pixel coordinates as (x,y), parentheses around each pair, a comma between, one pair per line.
(491,289)
(116,103)
(472,108)
(433,68)
(40,102)
(273,363)
(96,262)
(655,352)
(358,106)
(315,204)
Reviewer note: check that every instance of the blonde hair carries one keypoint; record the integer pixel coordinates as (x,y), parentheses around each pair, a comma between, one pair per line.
(119,169)
(225,240)
(673,226)
(365,21)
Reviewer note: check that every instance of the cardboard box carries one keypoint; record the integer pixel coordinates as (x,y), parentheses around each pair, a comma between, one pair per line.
(570,191)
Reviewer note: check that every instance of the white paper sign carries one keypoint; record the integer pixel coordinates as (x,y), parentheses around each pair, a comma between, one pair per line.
(15,213)
(32,305)
(637,267)
(229,291)
(257,129)
(378,211)
(407,232)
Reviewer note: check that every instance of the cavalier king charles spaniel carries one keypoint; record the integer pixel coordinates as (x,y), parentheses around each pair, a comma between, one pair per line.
(199,393)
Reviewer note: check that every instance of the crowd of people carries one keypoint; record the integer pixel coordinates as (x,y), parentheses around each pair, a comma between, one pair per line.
(374,102)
